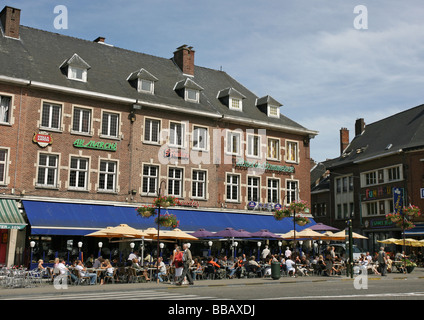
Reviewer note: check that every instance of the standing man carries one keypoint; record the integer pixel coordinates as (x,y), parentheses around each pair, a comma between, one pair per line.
(187,258)
(382,261)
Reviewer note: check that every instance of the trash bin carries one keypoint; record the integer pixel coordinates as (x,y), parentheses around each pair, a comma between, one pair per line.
(275,270)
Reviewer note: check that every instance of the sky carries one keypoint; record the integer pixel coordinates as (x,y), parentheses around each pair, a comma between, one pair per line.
(328,62)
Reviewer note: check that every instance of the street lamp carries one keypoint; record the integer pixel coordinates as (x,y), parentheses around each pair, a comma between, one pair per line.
(259,248)
(32,245)
(210,247)
(100,244)
(161,245)
(235,249)
(279,246)
(132,245)
(79,250)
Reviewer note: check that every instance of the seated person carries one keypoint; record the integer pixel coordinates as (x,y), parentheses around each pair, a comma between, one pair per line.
(83,272)
(290,266)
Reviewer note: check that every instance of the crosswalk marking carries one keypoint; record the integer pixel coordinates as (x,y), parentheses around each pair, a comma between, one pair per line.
(114,295)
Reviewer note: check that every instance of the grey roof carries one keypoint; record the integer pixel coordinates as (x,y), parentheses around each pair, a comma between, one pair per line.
(268,100)
(397,133)
(38,55)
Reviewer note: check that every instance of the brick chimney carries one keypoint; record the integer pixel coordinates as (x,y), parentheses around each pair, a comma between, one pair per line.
(344,139)
(10,20)
(184,58)
(359,126)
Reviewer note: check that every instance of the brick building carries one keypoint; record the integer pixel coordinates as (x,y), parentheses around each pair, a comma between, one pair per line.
(89,132)
(383,156)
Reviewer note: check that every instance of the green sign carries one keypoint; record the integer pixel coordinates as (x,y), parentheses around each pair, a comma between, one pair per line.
(80,143)
(265,166)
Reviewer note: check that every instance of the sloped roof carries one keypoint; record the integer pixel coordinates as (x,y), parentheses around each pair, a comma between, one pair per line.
(38,55)
(397,133)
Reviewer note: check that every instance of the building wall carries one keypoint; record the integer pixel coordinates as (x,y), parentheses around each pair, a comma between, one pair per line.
(132,152)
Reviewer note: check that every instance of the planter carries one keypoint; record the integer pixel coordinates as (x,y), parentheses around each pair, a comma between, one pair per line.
(168,221)
(165,201)
(281,214)
(301,223)
(146,212)
(409,269)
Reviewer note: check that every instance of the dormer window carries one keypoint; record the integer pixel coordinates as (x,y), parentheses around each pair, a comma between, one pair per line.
(232,98)
(273,111)
(75,68)
(75,73)
(143,80)
(192,95)
(269,106)
(189,90)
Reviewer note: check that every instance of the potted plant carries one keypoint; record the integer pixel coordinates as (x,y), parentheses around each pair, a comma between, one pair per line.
(412,211)
(146,211)
(165,201)
(394,217)
(298,206)
(301,221)
(168,220)
(405,224)
(410,266)
(282,213)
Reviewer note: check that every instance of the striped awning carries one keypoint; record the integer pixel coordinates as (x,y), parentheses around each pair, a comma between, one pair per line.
(10,217)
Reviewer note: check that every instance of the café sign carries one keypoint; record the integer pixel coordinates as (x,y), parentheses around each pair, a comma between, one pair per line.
(106,146)
(241,163)
(43,139)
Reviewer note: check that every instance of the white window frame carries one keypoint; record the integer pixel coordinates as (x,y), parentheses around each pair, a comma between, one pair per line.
(149,131)
(251,187)
(174,181)
(80,173)
(108,175)
(173,136)
(292,192)
(4,166)
(148,178)
(49,125)
(199,131)
(271,114)
(196,182)
(47,170)
(3,111)
(73,72)
(235,104)
(251,150)
(187,92)
(110,116)
(273,149)
(290,151)
(273,189)
(229,148)
(151,83)
(81,111)
(231,184)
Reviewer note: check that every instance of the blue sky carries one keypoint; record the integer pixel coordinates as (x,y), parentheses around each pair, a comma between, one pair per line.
(306,54)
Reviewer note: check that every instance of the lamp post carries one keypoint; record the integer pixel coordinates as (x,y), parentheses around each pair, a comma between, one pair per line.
(79,250)
(259,248)
(100,244)
(235,245)
(32,245)
(161,245)
(279,246)
(210,247)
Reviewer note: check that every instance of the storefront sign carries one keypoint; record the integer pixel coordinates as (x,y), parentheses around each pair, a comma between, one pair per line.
(192,204)
(378,223)
(43,139)
(398,200)
(241,163)
(80,143)
(381,192)
(176,154)
(252,205)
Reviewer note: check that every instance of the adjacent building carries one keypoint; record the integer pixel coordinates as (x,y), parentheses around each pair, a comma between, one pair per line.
(89,132)
(383,156)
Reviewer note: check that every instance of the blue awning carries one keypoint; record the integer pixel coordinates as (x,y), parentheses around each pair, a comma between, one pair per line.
(418,230)
(54,218)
